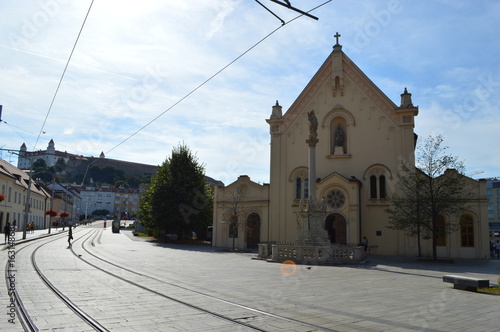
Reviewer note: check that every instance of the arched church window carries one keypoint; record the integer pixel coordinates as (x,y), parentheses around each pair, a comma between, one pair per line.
(373,187)
(301,188)
(382,191)
(298,188)
(306,188)
(467,230)
(335,199)
(378,187)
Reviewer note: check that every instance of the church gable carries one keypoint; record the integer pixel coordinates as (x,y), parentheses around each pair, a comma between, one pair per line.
(340,85)
(358,125)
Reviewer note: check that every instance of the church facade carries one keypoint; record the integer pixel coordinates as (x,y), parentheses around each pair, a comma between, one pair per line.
(360,140)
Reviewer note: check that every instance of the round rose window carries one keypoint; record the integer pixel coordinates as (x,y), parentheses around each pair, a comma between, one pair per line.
(335,199)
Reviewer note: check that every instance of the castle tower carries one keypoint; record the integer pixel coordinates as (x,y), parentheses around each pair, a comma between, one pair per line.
(51,149)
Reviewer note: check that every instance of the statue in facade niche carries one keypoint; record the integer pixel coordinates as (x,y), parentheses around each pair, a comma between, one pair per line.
(313,125)
(339,136)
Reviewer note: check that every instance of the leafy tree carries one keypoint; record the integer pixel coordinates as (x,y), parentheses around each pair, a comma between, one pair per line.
(41,171)
(233,213)
(107,175)
(178,199)
(40,163)
(60,166)
(435,187)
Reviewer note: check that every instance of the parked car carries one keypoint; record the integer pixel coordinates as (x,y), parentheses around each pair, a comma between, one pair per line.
(171,236)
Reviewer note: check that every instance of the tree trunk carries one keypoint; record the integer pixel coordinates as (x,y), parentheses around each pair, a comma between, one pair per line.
(418,241)
(435,232)
(434,247)
(419,246)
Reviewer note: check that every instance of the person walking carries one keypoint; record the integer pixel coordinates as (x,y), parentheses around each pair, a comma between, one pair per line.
(6,230)
(365,246)
(70,235)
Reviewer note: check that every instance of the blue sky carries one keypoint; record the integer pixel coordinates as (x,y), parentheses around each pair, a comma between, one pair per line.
(133,61)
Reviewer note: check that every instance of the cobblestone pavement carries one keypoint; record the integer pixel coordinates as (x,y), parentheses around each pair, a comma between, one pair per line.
(385,294)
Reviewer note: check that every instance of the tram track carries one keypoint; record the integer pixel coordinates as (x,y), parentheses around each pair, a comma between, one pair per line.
(246,317)
(252,311)
(26,320)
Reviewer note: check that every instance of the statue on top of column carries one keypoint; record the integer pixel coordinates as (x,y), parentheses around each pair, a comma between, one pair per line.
(313,126)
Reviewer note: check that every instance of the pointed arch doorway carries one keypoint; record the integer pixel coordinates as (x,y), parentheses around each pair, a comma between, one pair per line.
(335,225)
(253,230)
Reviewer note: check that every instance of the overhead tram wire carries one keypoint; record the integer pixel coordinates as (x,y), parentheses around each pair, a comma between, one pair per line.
(18,133)
(63,73)
(214,75)
(27,209)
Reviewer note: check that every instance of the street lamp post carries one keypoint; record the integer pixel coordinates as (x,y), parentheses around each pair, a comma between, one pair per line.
(28,199)
(51,203)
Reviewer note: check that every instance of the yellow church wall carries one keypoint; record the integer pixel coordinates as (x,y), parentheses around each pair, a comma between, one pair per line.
(243,197)
(378,137)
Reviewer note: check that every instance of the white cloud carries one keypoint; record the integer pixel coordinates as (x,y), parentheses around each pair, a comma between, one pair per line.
(133,62)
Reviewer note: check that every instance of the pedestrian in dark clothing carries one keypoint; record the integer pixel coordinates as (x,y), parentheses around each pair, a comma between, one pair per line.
(6,230)
(70,235)
(365,246)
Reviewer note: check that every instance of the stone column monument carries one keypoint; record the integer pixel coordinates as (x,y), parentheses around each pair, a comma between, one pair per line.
(311,220)
(311,142)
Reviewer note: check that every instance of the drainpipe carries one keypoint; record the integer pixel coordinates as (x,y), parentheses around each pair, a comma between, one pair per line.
(360,184)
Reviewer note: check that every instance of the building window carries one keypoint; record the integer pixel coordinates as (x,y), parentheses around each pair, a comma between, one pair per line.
(378,187)
(306,188)
(488,192)
(298,188)
(441,231)
(467,230)
(490,208)
(301,188)
(491,216)
(382,191)
(335,199)
(498,191)
(373,187)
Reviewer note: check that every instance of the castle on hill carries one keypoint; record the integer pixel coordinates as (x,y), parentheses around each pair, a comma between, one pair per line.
(79,163)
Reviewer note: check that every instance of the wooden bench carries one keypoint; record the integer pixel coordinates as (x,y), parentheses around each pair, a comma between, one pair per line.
(466,283)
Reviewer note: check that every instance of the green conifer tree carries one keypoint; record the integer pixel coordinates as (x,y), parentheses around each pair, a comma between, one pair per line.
(178,199)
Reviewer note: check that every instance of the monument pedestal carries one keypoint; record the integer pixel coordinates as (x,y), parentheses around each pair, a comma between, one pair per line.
(310,227)
(339,150)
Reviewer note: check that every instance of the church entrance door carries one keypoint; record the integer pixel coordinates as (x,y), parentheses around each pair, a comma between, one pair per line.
(253,230)
(335,225)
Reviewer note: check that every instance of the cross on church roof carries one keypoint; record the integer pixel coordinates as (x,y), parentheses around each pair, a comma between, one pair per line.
(337,35)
